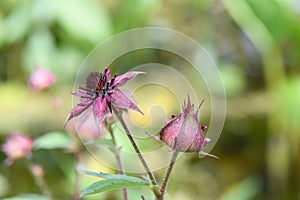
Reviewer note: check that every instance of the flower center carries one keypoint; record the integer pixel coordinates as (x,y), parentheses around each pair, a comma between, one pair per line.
(103,91)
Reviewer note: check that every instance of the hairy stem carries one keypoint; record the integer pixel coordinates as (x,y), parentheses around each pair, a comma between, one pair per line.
(166,178)
(137,150)
(118,159)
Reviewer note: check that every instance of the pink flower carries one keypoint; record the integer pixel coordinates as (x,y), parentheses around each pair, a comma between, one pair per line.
(16,146)
(183,132)
(41,79)
(101,92)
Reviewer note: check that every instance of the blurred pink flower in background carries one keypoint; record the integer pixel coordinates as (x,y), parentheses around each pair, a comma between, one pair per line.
(37,170)
(16,146)
(41,79)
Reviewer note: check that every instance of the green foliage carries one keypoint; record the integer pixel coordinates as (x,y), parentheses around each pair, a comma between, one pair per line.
(28,197)
(244,190)
(234,85)
(52,140)
(93,25)
(105,142)
(256,45)
(112,182)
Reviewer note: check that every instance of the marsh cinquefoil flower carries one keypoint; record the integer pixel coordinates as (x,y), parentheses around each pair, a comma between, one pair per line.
(101,92)
(183,132)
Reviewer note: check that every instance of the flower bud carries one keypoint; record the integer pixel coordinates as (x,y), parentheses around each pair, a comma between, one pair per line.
(183,132)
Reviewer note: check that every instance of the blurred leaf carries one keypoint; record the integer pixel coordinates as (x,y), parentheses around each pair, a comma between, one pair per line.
(242,13)
(113,182)
(42,16)
(244,190)
(68,57)
(39,49)
(289,98)
(105,142)
(52,140)
(270,11)
(28,197)
(127,18)
(4,185)
(93,25)
(15,25)
(233,79)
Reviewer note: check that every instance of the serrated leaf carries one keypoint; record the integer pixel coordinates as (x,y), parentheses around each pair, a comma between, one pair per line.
(113,184)
(52,140)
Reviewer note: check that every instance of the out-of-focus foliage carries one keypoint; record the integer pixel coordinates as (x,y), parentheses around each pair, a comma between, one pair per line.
(255,44)
(53,34)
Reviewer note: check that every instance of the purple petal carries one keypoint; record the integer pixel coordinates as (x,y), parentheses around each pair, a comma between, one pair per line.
(78,109)
(153,136)
(188,107)
(170,131)
(99,108)
(205,142)
(190,135)
(81,94)
(119,99)
(122,79)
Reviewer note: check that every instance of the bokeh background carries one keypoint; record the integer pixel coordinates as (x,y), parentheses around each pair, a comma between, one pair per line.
(255,44)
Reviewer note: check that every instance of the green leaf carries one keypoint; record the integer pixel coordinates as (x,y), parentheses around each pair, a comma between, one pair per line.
(111,176)
(104,142)
(52,140)
(113,182)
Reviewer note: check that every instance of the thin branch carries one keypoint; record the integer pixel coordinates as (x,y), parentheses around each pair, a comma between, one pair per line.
(118,159)
(137,150)
(166,178)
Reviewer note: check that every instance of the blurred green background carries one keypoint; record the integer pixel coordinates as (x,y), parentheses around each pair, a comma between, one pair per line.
(255,44)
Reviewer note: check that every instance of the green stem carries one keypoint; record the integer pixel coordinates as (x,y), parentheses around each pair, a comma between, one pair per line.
(137,150)
(118,159)
(166,178)
(40,181)
(77,155)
